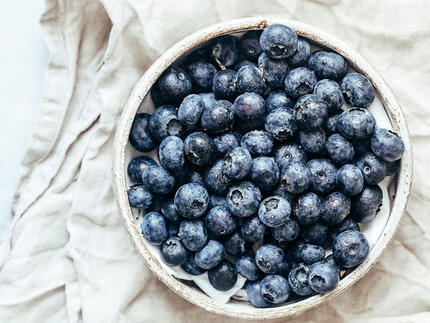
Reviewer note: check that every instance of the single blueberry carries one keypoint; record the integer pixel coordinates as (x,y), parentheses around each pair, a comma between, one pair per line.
(223,277)
(330,123)
(191,109)
(287,232)
(329,91)
(210,255)
(193,234)
(139,197)
(387,145)
(310,112)
(157,97)
(171,153)
(357,90)
(275,289)
(335,208)
(140,136)
(299,81)
(278,41)
(164,122)
(254,294)
(137,166)
(264,173)
(339,149)
(313,142)
(247,267)
(328,65)
(349,180)
(224,51)
(234,245)
(217,200)
(278,99)
(356,124)
(200,149)
(315,233)
(250,79)
(249,44)
(153,228)
(347,224)
(208,99)
(252,230)
(274,211)
(295,177)
(257,142)
(158,180)
(311,253)
(201,74)
(216,180)
(243,199)
(270,259)
(190,266)
(224,84)
(298,280)
(372,168)
(273,70)
(173,252)
(301,55)
(350,248)
(237,163)
(322,175)
(289,153)
(249,106)
(168,209)
(307,209)
(281,124)
(227,141)
(323,277)
(365,206)
(220,221)
(175,84)
(218,118)
(191,200)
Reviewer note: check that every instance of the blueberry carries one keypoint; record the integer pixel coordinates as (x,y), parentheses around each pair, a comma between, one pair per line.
(210,255)
(220,222)
(168,209)
(223,277)
(328,65)
(250,79)
(347,224)
(365,206)
(139,197)
(330,123)
(244,126)
(339,149)
(322,175)
(171,153)
(154,228)
(208,99)
(289,153)
(296,251)
(301,55)
(140,136)
(281,124)
(387,145)
(191,200)
(349,180)
(257,142)
(173,253)
(157,180)
(356,124)
(275,289)
(244,63)
(195,177)
(391,167)
(298,280)
(372,168)
(299,81)
(193,234)
(315,233)
(247,267)
(350,248)
(329,91)
(274,211)
(175,84)
(216,180)
(357,90)
(330,259)
(200,149)
(264,173)
(252,230)
(323,277)
(310,112)
(295,177)
(224,51)
(311,253)
(234,245)
(164,122)
(287,232)
(172,229)
(249,44)
(237,163)
(270,259)
(217,200)
(201,74)
(190,266)
(307,209)
(249,106)
(254,294)
(335,208)
(278,41)
(224,84)
(278,99)
(227,141)
(313,142)
(191,109)
(273,70)
(218,118)
(137,166)
(156,96)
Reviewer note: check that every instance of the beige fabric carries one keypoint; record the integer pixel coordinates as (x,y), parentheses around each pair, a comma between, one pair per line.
(67,257)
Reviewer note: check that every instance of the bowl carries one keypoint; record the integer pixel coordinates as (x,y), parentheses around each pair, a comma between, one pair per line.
(387,112)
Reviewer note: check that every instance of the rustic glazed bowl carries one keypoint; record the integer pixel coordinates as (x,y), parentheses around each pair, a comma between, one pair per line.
(139,101)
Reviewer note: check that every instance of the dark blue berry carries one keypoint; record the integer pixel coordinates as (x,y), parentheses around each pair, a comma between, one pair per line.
(140,136)
(254,294)
(227,141)
(274,211)
(296,251)
(139,197)
(252,230)
(329,91)
(365,206)
(387,145)
(349,180)
(357,90)
(190,266)
(175,84)
(323,277)
(171,153)
(298,280)
(289,153)
(244,63)
(250,79)
(278,99)
(193,234)
(217,200)
(216,180)
(200,149)
(158,180)
(157,97)
(270,259)
(295,177)
(350,248)
(323,175)
(137,166)
(281,124)
(191,200)
(315,233)
(310,112)
(249,44)
(311,253)
(299,81)
(330,259)
(347,224)
(361,146)
(249,106)
(356,124)
(339,149)
(191,109)
(328,65)
(224,51)
(237,163)
(243,199)
(208,99)
(201,74)
(223,277)
(173,252)
(234,245)
(278,41)
(330,124)
(247,267)
(210,255)
(224,84)
(275,289)
(219,221)
(335,208)
(172,229)
(372,168)
(301,55)
(218,118)
(164,122)
(287,232)
(257,142)
(168,209)
(264,173)
(307,209)
(313,142)
(391,167)
(154,228)
(273,70)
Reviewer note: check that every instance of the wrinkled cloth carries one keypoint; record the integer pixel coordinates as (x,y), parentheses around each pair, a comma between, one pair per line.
(67,257)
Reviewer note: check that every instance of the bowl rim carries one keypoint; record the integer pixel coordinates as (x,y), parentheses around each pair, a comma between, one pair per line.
(391,106)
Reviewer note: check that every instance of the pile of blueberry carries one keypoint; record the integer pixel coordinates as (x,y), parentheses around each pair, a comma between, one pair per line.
(262,168)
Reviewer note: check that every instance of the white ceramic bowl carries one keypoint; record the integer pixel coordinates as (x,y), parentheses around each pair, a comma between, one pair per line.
(388,114)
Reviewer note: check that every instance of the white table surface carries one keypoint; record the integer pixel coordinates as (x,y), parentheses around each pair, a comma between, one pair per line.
(23,60)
